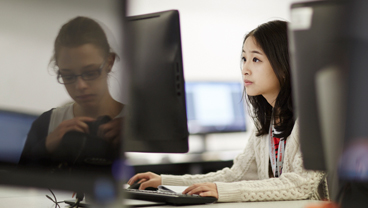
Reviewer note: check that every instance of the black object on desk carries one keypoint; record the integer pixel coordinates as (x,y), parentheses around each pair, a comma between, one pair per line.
(159,196)
(168,197)
(136,185)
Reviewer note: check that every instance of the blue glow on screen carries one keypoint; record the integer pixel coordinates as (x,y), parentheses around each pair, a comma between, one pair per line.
(14,128)
(214,107)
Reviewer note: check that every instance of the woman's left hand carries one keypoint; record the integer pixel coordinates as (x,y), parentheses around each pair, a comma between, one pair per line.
(202,189)
(111,131)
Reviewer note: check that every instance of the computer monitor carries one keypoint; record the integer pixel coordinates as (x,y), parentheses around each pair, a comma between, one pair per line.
(14,127)
(353,166)
(317,47)
(24,33)
(157,120)
(215,107)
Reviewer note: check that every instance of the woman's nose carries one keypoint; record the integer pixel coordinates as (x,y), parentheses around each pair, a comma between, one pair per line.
(245,68)
(80,83)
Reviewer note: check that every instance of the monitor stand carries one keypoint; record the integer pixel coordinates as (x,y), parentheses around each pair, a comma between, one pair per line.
(203,138)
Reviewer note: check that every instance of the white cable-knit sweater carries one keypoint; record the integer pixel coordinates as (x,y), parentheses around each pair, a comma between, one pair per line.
(248,179)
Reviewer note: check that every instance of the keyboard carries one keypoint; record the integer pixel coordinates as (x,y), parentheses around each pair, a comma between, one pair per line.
(168,197)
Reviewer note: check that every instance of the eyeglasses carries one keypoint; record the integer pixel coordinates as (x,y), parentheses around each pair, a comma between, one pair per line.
(87,76)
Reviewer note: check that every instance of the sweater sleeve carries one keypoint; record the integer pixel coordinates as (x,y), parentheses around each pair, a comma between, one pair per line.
(295,183)
(244,168)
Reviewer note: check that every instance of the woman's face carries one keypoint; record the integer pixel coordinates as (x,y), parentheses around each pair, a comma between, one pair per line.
(258,75)
(84,59)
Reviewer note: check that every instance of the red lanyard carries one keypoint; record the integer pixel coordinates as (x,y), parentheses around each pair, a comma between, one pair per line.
(276,162)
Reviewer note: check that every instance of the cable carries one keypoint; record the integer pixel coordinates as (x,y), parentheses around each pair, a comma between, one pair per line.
(79,198)
(54,200)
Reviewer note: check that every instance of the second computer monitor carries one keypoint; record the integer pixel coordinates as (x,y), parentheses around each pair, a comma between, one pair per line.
(14,127)
(215,107)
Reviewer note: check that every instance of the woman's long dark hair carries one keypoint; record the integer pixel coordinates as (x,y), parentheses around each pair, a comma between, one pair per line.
(272,38)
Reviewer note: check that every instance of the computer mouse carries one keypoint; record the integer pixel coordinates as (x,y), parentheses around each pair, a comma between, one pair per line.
(136,185)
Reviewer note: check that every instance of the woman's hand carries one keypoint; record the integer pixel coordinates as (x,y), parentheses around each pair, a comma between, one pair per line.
(202,189)
(111,131)
(147,179)
(76,124)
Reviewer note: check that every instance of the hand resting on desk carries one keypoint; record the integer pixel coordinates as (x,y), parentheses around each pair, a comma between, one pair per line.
(150,179)
(202,189)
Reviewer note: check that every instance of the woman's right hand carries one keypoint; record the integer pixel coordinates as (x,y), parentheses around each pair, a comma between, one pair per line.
(147,179)
(76,124)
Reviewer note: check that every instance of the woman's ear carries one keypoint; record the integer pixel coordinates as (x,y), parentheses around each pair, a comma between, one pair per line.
(110,61)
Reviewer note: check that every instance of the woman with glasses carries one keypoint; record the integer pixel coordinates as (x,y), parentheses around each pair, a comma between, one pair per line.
(83,60)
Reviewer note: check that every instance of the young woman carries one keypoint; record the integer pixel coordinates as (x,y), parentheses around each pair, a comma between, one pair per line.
(83,60)
(271,165)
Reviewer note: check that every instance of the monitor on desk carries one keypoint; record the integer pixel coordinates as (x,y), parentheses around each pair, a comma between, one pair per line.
(353,166)
(215,107)
(317,47)
(157,120)
(14,127)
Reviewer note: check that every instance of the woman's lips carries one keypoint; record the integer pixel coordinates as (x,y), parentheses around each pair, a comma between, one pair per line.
(85,97)
(247,82)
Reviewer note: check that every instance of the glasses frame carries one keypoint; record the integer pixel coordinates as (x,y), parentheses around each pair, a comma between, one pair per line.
(99,70)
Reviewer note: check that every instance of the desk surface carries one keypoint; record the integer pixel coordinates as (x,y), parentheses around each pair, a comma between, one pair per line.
(29,197)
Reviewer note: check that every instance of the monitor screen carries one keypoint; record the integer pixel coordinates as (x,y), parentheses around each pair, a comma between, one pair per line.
(29,84)
(215,107)
(14,127)
(157,120)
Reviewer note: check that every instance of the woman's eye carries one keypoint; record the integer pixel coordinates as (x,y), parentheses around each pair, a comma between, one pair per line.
(256,60)
(67,77)
(89,74)
(243,60)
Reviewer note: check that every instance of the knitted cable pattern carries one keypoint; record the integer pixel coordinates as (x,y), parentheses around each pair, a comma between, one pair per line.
(248,179)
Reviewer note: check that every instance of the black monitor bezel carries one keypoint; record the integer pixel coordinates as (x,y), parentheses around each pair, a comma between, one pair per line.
(176,139)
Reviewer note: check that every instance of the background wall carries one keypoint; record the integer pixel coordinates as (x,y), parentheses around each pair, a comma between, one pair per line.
(213,31)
